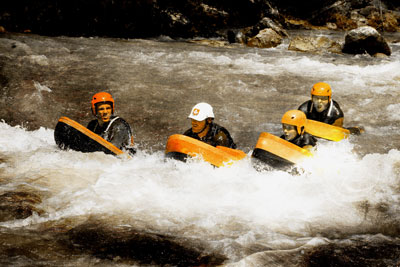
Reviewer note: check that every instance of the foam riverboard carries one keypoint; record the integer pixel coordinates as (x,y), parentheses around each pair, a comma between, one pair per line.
(69,134)
(326,131)
(180,147)
(278,152)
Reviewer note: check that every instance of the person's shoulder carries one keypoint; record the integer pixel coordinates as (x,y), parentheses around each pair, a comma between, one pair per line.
(309,139)
(92,124)
(120,123)
(304,107)
(219,128)
(188,132)
(335,103)
(119,120)
(337,107)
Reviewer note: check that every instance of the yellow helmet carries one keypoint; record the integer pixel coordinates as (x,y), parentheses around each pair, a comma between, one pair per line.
(296,118)
(322,89)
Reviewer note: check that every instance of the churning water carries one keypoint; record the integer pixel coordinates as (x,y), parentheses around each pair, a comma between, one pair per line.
(87,208)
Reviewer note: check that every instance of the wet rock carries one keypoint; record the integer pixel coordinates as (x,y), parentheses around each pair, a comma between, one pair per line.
(266,38)
(18,205)
(268,23)
(124,244)
(378,251)
(386,21)
(297,24)
(193,18)
(212,43)
(380,55)
(365,40)
(368,10)
(236,36)
(13,47)
(314,44)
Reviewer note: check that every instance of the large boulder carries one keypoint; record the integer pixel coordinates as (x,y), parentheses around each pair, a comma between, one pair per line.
(365,40)
(266,38)
(314,44)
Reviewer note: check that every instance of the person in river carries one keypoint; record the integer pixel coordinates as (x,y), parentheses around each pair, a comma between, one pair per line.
(110,127)
(204,129)
(323,108)
(293,126)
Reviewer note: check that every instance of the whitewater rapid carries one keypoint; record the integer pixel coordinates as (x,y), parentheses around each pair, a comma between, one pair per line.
(348,191)
(336,193)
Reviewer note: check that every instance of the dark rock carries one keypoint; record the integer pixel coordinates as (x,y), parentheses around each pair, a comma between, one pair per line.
(18,205)
(267,23)
(366,11)
(179,18)
(122,244)
(382,252)
(365,40)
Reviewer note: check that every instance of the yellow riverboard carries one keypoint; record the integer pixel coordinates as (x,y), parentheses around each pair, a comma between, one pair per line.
(276,151)
(217,156)
(69,134)
(326,131)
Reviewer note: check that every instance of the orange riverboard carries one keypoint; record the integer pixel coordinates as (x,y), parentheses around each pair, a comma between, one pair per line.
(179,144)
(326,131)
(278,152)
(69,134)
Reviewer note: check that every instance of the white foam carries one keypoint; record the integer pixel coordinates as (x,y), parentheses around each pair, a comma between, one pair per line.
(169,194)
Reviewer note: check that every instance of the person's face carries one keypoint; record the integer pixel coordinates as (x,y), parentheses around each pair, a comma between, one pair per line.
(104,112)
(320,102)
(198,126)
(289,131)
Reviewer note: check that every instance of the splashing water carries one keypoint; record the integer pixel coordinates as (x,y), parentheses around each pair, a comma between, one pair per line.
(348,189)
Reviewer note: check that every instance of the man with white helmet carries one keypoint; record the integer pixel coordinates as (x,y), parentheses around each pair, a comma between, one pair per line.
(204,129)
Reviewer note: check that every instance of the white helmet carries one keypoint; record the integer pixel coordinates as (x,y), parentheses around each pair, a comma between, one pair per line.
(201,111)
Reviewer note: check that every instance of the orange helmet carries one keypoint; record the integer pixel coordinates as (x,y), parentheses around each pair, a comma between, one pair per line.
(102,97)
(296,118)
(322,89)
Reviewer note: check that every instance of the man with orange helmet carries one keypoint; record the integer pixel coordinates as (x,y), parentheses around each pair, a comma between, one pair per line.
(204,129)
(293,125)
(112,128)
(322,107)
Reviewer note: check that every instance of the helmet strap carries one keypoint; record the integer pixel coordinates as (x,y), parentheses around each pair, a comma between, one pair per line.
(301,130)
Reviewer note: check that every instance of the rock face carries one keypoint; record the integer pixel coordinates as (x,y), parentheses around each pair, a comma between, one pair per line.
(365,40)
(190,18)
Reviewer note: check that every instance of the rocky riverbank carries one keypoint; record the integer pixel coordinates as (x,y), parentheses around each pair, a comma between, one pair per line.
(193,18)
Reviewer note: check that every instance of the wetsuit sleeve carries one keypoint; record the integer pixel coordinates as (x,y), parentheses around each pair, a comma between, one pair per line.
(308,140)
(223,138)
(304,107)
(338,116)
(120,135)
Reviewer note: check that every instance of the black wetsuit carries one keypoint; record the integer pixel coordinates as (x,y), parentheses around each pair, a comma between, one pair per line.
(216,136)
(329,115)
(116,131)
(303,140)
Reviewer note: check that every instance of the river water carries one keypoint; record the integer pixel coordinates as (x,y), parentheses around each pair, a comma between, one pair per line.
(95,209)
